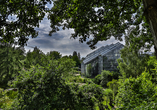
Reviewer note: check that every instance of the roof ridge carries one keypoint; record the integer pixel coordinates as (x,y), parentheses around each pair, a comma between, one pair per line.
(102,50)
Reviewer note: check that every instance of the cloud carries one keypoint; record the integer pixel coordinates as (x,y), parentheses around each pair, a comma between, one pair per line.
(61,42)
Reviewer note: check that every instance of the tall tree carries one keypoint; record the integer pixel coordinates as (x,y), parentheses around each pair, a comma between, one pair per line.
(76,59)
(10,63)
(133,63)
(79,56)
(74,53)
(54,54)
(99,18)
(25,16)
(34,57)
(103,19)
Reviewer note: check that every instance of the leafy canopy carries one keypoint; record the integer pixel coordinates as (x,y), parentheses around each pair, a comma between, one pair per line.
(98,18)
(27,14)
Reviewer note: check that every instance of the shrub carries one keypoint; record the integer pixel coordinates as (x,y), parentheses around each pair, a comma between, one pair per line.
(89,70)
(96,95)
(88,81)
(82,74)
(45,87)
(113,85)
(108,93)
(6,98)
(73,78)
(97,79)
(137,93)
(105,78)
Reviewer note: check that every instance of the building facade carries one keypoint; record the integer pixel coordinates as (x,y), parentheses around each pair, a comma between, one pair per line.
(104,58)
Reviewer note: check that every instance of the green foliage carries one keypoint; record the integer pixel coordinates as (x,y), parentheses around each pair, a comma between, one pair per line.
(88,70)
(28,16)
(76,59)
(74,53)
(76,79)
(83,74)
(132,63)
(108,93)
(88,81)
(10,63)
(113,85)
(95,93)
(4,100)
(54,55)
(111,18)
(34,57)
(7,98)
(105,78)
(44,87)
(12,94)
(151,64)
(97,79)
(137,93)
(137,41)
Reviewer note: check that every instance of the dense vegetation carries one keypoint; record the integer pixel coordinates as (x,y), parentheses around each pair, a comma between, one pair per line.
(50,81)
(40,81)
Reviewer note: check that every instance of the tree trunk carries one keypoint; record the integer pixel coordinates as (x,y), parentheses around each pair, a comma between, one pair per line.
(150,7)
(155,51)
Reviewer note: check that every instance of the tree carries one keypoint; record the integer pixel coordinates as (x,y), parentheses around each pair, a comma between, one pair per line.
(70,56)
(28,15)
(44,87)
(132,63)
(134,60)
(111,18)
(74,53)
(76,59)
(10,63)
(137,93)
(89,70)
(34,57)
(54,54)
(79,56)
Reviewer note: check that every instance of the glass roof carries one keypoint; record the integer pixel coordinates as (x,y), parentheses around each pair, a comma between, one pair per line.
(101,51)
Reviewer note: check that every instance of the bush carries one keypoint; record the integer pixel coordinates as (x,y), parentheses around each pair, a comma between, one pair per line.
(89,70)
(6,98)
(108,98)
(137,93)
(105,78)
(45,87)
(76,79)
(82,74)
(113,85)
(88,81)
(96,95)
(97,79)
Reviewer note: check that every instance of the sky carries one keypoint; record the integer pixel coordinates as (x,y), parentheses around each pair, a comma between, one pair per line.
(60,41)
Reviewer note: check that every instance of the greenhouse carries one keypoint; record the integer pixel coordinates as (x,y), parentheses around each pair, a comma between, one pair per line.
(104,58)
